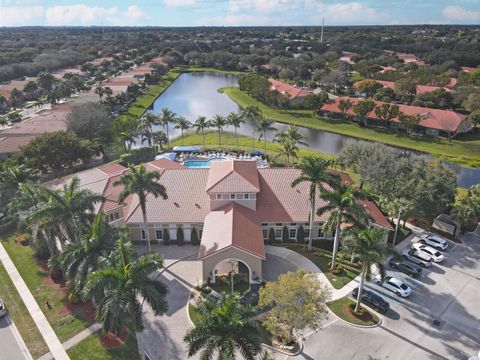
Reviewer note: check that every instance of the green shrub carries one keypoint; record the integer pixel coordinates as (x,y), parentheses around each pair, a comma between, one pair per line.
(300,235)
(194,237)
(285,237)
(271,235)
(166,236)
(180,237)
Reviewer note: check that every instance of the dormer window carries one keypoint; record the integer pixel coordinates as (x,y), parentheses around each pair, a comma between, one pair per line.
(246,196)
(232,196)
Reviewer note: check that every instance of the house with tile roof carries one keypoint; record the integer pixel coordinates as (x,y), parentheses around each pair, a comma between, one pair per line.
(421,89)
(292,92)
(233,206)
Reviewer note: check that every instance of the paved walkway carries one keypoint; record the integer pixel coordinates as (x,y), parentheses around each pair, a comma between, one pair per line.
(41,321)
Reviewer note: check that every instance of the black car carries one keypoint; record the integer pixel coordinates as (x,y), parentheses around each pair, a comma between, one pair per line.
(371,299)
(406,267)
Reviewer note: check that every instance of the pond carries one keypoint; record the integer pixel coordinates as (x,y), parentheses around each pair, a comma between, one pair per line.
(196,94)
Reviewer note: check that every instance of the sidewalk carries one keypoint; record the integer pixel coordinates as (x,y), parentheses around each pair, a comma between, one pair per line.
(41,321)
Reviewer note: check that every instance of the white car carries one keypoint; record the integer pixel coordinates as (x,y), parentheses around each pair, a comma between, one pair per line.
(436,255)
(3,309)
(417,256)
(434,241)
(393,284)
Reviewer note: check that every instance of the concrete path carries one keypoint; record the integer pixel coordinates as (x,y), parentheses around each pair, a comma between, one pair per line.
(74,340)
(41,321)
(11,343)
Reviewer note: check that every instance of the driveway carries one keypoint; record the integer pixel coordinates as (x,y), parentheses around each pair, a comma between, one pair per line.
(447,292)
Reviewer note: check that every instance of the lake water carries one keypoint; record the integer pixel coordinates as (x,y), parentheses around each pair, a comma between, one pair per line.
(195,94)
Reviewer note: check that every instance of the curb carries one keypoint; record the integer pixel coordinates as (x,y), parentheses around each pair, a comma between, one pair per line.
(357,325)
(298,352)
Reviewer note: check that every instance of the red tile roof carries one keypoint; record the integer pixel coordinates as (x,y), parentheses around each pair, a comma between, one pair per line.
(286,89)
(232,226)
(444,120)
(421,89)
(163,164)
(232,177)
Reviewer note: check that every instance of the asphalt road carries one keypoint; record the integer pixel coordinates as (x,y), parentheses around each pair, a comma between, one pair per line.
(10,349)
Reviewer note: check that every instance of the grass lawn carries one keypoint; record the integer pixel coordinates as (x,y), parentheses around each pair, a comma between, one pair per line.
(92,349)
(341,308)
(337,281)
(66,320)
(21,317)
(464,152)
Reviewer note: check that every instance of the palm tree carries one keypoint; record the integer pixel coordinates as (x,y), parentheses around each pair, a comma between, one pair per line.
(264,125)
(225,328)
(140,182)
(368,246)
(314,171)
(71,206)
(146,124)
(182,124)
(288,149)
(344,105)
(128,138)
(341,206)
(201,124)
(100,91)
(123,282)
(219,122)
(252,113)
(235,120)
(159,139)
(166,117)
(292,134)
(80,259)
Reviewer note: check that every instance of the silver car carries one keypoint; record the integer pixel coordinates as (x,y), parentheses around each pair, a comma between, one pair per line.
(417,256)
(434,241)
(3,309)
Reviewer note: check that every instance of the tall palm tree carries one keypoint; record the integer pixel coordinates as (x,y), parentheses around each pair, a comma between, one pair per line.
(159,139)
(80,259)
(252,113)
(182,124)
(128,138)
(235,120)
(141,183)
(201,124)
(292,134)
(264,125)
(71,206)
(288,150)
(368,246)
(11,176)
(314,170)
(123,282)
(341,206)
(166,117)
(219,122)
(225,328)
(146,124)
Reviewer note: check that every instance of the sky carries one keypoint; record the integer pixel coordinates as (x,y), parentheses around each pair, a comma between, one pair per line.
(237,12)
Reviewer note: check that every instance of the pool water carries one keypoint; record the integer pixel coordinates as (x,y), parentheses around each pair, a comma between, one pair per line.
(201,163)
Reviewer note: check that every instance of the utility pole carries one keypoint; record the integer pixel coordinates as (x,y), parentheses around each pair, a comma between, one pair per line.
(398,224)
(321,34)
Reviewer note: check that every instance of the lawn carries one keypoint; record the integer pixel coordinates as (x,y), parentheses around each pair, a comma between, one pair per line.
(66,320)
(321,258)
(464,152)
(92,349)
(341,308)
(21,317)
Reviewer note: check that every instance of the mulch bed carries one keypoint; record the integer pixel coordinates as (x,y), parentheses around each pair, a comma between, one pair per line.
(112,341)
(366,316)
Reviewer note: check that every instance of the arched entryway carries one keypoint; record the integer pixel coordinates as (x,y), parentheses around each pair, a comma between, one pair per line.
(231,275)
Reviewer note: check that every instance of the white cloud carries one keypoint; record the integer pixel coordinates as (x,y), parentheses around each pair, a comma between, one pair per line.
(458,13)
(241,20)
(18,16)
(269,5)
(78,14)
(179,2)
(352,13)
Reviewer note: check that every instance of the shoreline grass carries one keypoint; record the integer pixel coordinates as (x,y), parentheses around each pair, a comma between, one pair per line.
(465,152)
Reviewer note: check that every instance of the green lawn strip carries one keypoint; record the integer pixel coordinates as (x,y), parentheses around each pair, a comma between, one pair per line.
(65,324)
(321,257)
(91,348)
(464,152)
(21,317)
(340,308)
(265,335)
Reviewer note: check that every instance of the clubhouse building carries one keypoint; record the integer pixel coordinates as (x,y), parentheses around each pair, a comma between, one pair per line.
(233,207)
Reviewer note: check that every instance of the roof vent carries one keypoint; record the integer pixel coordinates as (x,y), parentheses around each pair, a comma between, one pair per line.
(197,206)
(298,191)
(176,204)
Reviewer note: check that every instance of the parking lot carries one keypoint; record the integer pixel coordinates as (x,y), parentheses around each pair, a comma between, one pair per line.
(448,292)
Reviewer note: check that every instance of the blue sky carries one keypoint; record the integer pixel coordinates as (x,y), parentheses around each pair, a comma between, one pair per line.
(237,12)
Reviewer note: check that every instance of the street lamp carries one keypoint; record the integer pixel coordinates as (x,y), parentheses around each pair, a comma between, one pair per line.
(398,224)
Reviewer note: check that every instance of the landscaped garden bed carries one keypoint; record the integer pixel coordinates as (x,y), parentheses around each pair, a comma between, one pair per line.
(344,308)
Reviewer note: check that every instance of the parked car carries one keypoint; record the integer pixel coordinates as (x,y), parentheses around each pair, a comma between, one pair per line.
(395,285)
(373,300)
(434,241)
(406,267)
(417,256)
(436,255)
(3,309)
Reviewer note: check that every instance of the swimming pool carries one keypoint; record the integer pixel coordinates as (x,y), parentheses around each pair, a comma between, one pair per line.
(201,163)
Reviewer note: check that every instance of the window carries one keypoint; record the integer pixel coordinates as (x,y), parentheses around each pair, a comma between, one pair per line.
(320,233)
(232,196)
(278,224)
(219,196)
(144,235)
(116,215)
(306,233)
(265,233)
(293,224)
(292,233)
(158,234)
(278,233)
(264,224)
(246,196)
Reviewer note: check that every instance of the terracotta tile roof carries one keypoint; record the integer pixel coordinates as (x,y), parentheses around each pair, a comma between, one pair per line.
(232,226)
(159,164)
(233,176)
(286,89)
(377,216)
(468,69)
(421,89)
(112,169)
(444,120)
